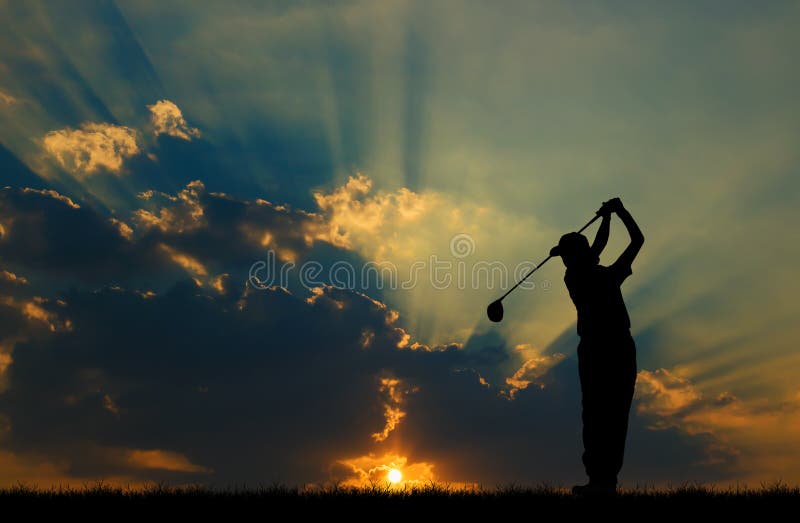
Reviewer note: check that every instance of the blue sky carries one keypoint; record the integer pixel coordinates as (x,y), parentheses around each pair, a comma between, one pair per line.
(167,146)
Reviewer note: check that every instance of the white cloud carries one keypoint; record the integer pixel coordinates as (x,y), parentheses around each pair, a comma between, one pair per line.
(92,148)
(167,118)
(103,146)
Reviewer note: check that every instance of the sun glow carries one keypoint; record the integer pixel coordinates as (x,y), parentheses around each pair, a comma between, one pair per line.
(394,476)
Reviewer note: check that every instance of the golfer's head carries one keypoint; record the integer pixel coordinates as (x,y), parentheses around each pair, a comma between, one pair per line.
(574,250)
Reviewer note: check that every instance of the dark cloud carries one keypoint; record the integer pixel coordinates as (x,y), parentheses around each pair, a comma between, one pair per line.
(46,232)
(63,241)
(259,389)
(11,283)
(271,387)
(252,386)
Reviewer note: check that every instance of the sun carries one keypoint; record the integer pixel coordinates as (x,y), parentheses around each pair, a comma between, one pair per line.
(394,476)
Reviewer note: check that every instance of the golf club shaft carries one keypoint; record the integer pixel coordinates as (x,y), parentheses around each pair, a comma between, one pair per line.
(544,261)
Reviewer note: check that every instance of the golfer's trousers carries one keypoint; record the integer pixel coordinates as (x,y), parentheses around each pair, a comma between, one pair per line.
(607,368)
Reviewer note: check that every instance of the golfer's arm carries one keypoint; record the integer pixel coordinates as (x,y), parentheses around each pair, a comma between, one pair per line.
(601,238)
(637,238)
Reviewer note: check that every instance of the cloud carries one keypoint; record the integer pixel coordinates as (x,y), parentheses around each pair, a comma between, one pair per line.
(220,282)
(184,212)
(351,225)
(24,318)
(124,229)
(10,277)
(31,470)
(356,219)
(161,460)
(110,405)
(302,380)
(395,394)
(7,99)
(754,437)
(51,235)
(531,370)
(192,265)
(35,311)
(97,147)
(167,118)
(152,394)
(371,469)
(191,360)
(43,310)
(53,194)
(93,148)
(42,229)
(664,394)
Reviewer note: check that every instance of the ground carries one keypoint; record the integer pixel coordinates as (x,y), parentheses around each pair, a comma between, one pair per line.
(390,503)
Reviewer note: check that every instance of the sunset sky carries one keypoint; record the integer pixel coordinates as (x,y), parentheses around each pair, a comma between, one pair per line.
(152,152)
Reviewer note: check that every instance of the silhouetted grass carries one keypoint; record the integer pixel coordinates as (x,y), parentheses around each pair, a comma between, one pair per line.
(280,499)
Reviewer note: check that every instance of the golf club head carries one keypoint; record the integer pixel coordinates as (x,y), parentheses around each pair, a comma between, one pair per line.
(495,311)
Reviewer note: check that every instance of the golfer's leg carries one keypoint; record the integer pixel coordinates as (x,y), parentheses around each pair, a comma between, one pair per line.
(591,416)
(624,391)
(605,446)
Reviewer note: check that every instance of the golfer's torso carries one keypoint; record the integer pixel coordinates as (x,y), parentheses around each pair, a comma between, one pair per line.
(598,300)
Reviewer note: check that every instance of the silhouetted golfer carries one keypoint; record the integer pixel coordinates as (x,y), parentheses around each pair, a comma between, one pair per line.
(606,352)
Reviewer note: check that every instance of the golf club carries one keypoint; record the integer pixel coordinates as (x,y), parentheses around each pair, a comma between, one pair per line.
(495,309)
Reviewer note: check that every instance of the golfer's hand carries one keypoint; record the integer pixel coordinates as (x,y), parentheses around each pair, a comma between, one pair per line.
(612,205)
(605,211)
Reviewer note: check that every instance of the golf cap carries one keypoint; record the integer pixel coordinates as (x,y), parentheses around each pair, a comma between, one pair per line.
(568,242)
